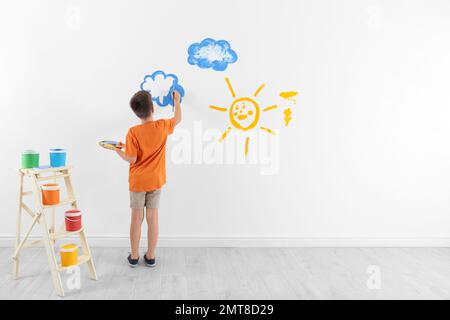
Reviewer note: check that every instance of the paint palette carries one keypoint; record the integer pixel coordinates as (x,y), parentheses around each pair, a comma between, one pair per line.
(111,145)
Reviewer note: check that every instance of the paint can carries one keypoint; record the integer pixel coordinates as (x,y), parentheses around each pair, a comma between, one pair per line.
(57,157)
(69,255)
(72,219)
(30,159)
(50,194)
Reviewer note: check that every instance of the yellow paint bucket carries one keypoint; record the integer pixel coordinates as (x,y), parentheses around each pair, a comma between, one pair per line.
(69,255)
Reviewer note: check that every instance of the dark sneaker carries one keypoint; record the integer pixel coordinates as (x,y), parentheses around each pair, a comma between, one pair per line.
(132,262)
(149,262)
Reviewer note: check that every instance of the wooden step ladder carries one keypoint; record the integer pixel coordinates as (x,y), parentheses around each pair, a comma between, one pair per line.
(50,235)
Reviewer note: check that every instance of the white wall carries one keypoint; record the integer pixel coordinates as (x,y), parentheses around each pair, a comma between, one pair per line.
(365,160)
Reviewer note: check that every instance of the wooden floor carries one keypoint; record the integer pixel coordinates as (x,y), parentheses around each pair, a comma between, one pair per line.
(243,273)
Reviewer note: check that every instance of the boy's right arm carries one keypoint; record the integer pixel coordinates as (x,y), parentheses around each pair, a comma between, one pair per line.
(177,104)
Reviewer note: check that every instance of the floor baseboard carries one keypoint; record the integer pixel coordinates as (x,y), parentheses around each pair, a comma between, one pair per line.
(235,241)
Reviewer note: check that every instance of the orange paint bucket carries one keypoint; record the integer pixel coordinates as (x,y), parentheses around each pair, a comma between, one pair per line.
(50,194)
(69,255)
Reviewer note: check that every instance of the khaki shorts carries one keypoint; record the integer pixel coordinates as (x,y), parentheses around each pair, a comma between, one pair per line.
(139,200)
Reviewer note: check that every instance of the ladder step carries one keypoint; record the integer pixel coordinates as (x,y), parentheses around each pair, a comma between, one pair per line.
(61,203)
(64,234)
(52,177)
(81,259)
(51,169)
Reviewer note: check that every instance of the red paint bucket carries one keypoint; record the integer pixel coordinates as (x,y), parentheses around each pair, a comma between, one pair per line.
(73,220)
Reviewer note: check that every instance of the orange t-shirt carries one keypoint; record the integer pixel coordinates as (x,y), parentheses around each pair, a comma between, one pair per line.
(147,142)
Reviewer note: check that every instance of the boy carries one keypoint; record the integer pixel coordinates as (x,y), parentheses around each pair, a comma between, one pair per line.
(145,150)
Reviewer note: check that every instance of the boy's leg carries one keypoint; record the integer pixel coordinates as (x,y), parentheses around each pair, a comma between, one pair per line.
(137,217)
(152,234)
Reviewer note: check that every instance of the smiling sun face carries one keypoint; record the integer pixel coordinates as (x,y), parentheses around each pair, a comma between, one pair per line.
(244,113)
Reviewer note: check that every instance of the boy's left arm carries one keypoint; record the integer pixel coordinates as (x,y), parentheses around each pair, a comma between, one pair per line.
(121,153)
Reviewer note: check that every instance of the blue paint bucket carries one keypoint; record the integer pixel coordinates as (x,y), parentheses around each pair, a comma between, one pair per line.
(57,157)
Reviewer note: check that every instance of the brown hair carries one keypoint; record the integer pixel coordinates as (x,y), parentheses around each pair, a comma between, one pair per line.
(141,103)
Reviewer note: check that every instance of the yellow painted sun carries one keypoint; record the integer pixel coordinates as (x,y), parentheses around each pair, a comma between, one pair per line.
(244,113)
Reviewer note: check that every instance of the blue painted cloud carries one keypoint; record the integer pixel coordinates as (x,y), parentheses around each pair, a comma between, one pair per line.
(211,54)
(161,85)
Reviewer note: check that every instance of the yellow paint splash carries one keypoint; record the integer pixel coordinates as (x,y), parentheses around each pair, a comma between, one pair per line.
(287,116)
(289,95)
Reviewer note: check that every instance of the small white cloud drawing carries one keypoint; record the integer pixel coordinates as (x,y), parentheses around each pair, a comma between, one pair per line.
(160,85)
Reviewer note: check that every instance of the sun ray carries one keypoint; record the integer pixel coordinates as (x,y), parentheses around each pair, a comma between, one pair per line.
(246,145)
(270,108)
(230,87)
(259,89)
(268,130)
(218,108)
(224,135)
